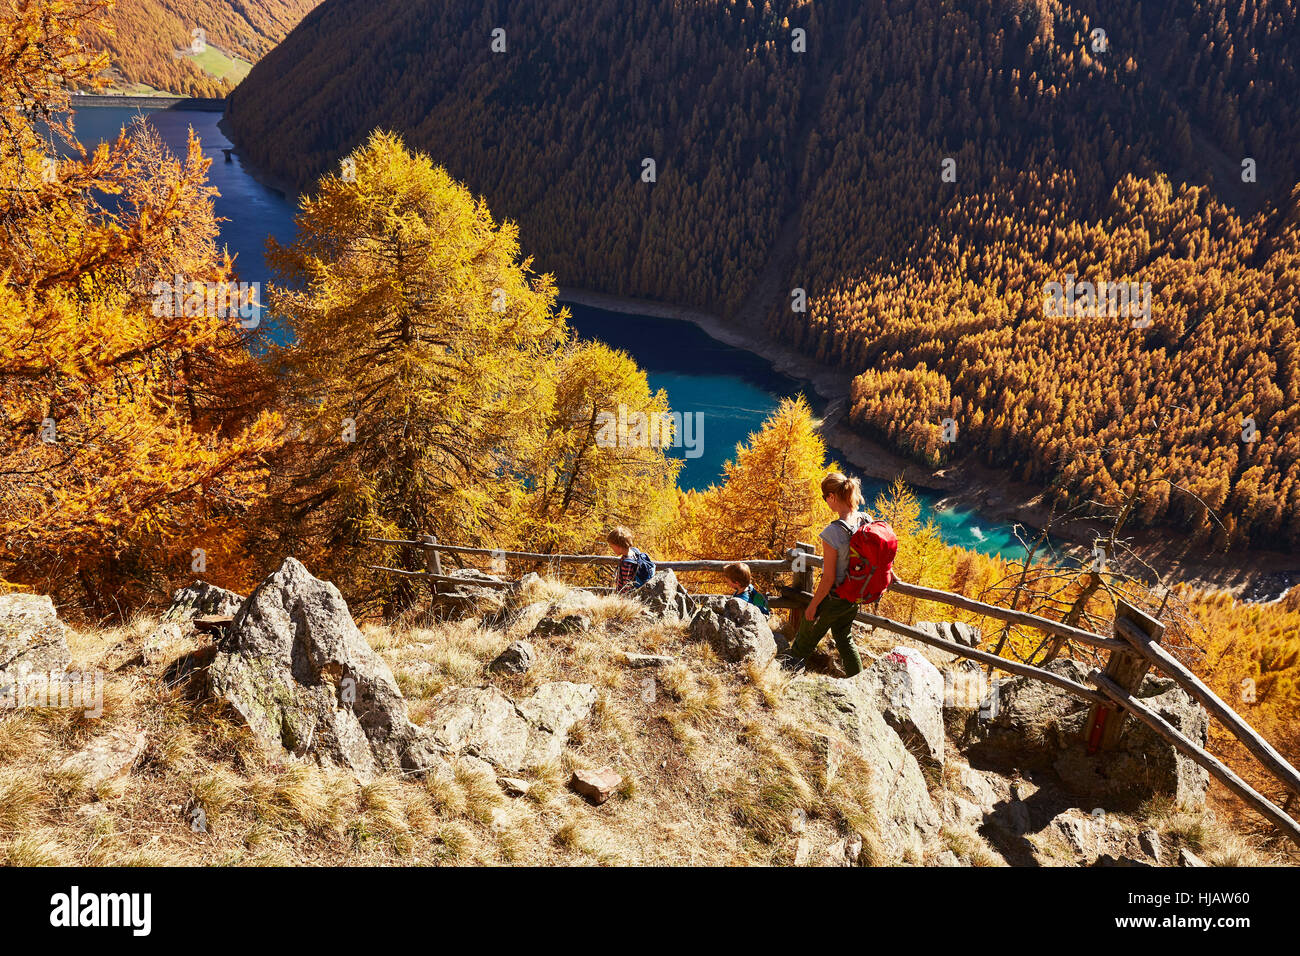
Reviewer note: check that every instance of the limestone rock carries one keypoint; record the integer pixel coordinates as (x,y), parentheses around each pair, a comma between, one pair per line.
(552,626)
(201,598)
(557,706)
(1143,764)
(906,816)
(1035,725)
(1187,858)
(295,668)
(485,723)
(155,645)
(596,785)
(1149,840)
(1074,837)
(910,693)
(515,659)
(736,629)
(108,756)
(33,641)
(964,634)
(664,596)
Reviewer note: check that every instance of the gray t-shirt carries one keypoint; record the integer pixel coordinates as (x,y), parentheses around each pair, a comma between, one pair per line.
(837,535)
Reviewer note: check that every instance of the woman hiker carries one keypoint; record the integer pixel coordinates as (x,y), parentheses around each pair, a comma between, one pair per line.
(826,611)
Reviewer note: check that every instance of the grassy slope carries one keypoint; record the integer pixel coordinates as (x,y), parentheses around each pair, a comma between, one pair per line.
(714,761)
(220,66)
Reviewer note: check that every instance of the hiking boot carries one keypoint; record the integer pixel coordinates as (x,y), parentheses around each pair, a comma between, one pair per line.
(791,663)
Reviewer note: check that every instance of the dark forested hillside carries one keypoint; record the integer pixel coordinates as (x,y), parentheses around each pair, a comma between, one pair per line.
(1160,150)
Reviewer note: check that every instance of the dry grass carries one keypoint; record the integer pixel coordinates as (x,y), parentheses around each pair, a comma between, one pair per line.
(1213,840)
(717,768)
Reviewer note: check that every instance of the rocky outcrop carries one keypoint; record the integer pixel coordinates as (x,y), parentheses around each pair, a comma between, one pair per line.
(555,625)
(483,722)
(664,595)
(736,629)
(201,598)
(517,658)
(1036,725)
(1143,764)
(1076,838)
(906,818)
(295,668)
(909,692)
(33,640)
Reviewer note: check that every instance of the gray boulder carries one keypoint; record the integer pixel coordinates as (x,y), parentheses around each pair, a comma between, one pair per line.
(552,626)
(906,818)
(1039,726)
(201,598)
(965,634)
(664,595)
(1031,721)
(515,659)
(295,668)
(483,722)
(1142,764)
(32,638)
(909,690)
(736,629)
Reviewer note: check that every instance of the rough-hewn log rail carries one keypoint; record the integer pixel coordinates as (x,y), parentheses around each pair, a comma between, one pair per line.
(605,559)
(1024,618)
(1252,741)
(1216,768)
(984,657)
(1111,693)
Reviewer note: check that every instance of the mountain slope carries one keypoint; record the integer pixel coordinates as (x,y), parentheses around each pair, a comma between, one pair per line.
(718,764)
(150,41)
(1113,158)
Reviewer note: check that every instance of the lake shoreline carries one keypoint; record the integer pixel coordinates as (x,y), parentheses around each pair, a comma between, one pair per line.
(831,385)
(1253,575)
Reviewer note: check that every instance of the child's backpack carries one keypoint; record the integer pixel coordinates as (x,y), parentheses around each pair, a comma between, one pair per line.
(645,568)
(756,598)
(871,563)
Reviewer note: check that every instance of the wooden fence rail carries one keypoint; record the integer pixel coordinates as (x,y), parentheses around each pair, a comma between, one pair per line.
(1132,651)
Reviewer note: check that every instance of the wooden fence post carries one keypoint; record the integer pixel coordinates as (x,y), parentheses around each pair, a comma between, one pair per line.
(1126,669)
(803,582)
(432,561)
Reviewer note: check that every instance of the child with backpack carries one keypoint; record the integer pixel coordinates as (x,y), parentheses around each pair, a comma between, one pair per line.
(857,565)
(635,568)
(742,583)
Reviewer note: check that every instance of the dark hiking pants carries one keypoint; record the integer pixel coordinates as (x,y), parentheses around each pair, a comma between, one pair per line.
(836,615)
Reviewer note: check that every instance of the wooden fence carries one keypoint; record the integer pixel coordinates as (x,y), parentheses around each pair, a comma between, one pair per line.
(1133,649)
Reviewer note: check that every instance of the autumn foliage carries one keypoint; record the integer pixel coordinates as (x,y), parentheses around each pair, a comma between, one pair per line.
(127,437)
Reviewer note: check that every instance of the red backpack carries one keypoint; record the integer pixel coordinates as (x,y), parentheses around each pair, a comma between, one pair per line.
(871,563)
